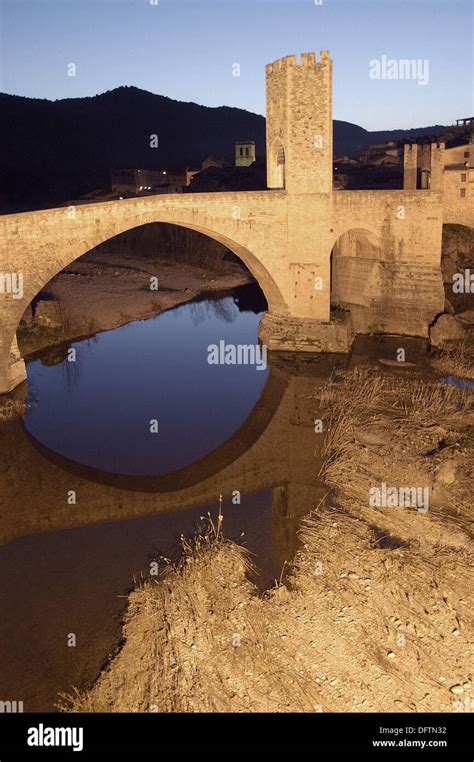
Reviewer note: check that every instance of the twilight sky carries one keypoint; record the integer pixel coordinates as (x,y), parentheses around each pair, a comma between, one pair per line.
(186,49)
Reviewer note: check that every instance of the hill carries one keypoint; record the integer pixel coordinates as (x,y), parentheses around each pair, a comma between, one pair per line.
(56,150)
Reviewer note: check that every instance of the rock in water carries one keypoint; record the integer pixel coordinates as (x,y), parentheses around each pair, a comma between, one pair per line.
(447,329)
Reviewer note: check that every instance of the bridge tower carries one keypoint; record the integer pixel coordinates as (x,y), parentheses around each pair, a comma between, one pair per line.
(299,124)
(299,161)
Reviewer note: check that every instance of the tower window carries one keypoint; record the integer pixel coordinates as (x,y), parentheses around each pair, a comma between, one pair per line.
(241,151)
(247,151)
(466,154)
(462,192)
(463,177)
(280,168)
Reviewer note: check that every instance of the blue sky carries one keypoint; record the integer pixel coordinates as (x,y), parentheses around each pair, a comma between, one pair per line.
(185,49)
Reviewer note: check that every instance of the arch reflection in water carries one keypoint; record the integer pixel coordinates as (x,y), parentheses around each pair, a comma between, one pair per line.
(275,444)
(77,561)
(71,566)
(99,409)
(276,448)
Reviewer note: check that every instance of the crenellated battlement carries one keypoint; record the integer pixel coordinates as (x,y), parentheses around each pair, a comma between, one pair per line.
(307,60)
(423,164)
(425,145)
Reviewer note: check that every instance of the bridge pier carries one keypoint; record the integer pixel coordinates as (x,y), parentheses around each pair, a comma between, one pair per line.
(12,368)
(295,334)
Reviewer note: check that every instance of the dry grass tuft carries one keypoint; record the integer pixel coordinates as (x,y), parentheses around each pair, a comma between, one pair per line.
(200,639)
(434,401)
(457,362)
(400,432)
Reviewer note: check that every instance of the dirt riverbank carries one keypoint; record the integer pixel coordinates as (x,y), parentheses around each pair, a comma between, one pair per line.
(101,291)
(375,614)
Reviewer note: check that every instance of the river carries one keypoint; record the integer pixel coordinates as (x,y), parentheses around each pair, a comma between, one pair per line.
(95,495)
(127,444)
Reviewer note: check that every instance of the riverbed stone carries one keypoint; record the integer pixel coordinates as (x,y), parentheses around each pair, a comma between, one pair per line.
(446,329)
(446,473)
(466,317)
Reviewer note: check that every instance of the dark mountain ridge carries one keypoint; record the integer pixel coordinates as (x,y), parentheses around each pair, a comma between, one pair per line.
(53,151)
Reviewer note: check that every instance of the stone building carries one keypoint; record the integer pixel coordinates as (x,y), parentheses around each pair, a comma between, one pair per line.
(244,153)
(382,154)
(142,180)
(213,161)
(433,166)
(191,171)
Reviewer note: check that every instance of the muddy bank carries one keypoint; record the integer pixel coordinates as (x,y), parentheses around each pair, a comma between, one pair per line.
(376,611)
(105,290)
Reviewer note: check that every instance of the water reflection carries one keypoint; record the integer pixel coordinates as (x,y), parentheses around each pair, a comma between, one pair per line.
(99,409)
(67,565)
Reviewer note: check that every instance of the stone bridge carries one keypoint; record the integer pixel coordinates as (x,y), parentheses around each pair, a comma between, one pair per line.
(374,255)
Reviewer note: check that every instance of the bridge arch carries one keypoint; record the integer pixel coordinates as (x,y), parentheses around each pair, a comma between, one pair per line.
(75,241)
(360,239)
(271,290)
(354,254)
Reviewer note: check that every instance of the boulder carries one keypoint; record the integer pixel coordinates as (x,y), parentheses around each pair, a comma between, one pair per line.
(446,472)
(466,317)
(446,330)
(449,268)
